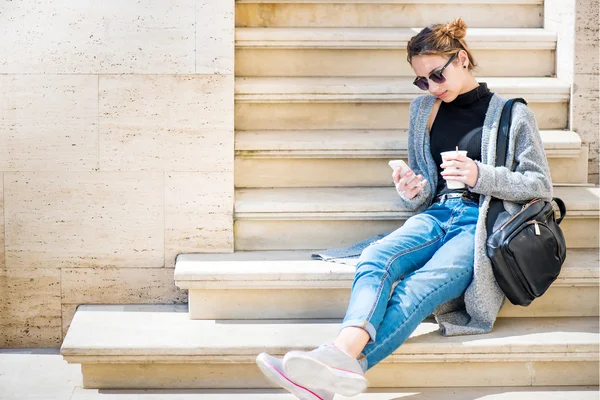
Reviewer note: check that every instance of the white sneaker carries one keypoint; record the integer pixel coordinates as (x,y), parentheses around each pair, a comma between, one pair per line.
(328,368)
(272,367)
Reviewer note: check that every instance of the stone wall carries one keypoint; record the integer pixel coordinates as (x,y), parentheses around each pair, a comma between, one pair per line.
(116,153)
(585,102)
(577,57)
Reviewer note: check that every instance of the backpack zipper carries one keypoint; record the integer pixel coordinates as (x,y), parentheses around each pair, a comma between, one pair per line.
(517,214)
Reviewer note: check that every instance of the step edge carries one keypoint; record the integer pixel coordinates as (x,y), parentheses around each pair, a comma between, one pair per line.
(386,38)
(248,199)
(77,358)
(381,97)
(551,153)
(299,45)
(262,144)
(299,284)
(361,215)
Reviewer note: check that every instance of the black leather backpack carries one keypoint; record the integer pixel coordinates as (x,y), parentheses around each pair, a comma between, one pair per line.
(528,250)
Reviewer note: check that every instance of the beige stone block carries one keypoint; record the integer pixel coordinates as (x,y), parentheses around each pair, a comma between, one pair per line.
(577,373)
(215,40)
(384,375)
(84,219)
(293,302)
(262,116)
(380,62)
(146,36)
(159,123)
(587,21)
(48,122)
(283,116)
(570,170)
(310,172)
(119,286)
(450,374)
(281,303)
(3,303)
(493,63)
(484,374)
(2,258)
(581,232)
(585,102)
(30,311)
(198,213)
(306,234)
(586,117)
(359,172)
(587,57)
(292,234)
(391,14)
(481,393)
(564,301)
(173,376)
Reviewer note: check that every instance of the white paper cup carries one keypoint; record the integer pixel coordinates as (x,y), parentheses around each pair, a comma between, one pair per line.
(451,183)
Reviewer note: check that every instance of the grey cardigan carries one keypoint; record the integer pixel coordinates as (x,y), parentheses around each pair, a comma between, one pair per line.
(525,176)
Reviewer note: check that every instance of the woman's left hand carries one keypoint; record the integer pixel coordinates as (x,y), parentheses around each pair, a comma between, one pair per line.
(466,170)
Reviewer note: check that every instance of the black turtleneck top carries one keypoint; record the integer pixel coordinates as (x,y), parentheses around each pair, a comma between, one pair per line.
(459,122)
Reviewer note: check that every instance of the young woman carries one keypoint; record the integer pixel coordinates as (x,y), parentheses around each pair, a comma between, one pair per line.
(438,257)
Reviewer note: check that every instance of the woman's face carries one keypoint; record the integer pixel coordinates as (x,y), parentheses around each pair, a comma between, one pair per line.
(457,77)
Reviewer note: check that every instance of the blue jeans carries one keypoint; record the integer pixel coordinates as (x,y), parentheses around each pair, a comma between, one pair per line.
(431,257)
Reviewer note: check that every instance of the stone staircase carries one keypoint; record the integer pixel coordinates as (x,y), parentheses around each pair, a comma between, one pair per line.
(322,95)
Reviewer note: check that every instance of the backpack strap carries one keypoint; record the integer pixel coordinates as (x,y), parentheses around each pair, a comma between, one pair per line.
(496,205)
(504,131)
(561,207)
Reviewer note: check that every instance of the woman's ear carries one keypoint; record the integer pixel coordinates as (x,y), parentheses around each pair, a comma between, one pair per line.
(463,59)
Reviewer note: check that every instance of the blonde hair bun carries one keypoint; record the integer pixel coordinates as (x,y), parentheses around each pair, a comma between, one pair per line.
(456,29)
(440,39)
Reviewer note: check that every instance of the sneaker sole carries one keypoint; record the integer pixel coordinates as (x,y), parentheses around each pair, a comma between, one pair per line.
(276,377)
(309,371)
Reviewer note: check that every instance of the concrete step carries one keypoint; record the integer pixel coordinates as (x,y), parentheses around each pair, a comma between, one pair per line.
(153,347)
(382,51)
(483,393)
(54,379)
(289,284)
(359,157)
(388,13)
(317,218)
(370,102)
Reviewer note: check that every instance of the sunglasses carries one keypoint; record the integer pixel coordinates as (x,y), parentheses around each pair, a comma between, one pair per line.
(436,76)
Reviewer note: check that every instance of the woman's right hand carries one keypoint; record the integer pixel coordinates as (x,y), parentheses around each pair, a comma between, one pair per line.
(408,185)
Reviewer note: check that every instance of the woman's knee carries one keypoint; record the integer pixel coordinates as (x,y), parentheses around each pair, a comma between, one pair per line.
(375,256)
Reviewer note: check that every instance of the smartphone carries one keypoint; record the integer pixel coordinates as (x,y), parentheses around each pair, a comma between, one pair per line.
(404,169)
(394,164)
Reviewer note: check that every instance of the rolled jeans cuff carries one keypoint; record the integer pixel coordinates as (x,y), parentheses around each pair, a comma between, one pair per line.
(364,364)
(359,323)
